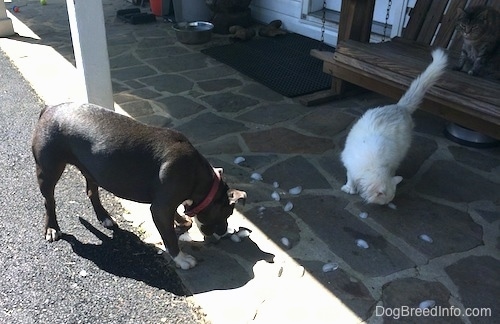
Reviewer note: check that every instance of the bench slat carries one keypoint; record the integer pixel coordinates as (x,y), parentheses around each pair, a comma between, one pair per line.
(389,67)
(410,61)
(437,100)
(417,17)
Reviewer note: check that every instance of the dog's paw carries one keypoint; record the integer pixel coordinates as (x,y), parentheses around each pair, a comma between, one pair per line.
(184,261)
(52,235)
(108,223)
(348,189)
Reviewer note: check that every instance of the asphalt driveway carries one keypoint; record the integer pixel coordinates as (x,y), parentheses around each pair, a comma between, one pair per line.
(92,275)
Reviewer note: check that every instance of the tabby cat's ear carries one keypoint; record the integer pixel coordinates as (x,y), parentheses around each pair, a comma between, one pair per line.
(460,13)
(483,15)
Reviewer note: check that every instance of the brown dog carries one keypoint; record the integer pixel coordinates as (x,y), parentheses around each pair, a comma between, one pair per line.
(133,161)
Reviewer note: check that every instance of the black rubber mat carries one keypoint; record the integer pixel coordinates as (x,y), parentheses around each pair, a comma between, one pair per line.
(282,63)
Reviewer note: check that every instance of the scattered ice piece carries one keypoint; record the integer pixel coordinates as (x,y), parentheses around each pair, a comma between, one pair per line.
(392,206)
(235,238)
(256,176)
(362,244)
(261,210)
(276,196)
(276,184)
(159,252)
(288,206)
(331,266)
(363,215)
(295,190)
(285,242)
(427,304)
(243,233)
(83,273)
(239,159)
(426,238)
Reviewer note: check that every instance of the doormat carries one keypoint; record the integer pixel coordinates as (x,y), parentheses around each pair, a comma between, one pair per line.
(281,63)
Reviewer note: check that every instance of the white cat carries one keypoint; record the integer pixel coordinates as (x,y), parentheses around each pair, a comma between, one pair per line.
(380,139)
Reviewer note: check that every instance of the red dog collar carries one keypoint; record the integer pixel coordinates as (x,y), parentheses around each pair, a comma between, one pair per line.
(208,199)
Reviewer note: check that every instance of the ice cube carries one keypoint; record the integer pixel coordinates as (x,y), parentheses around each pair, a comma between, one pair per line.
(288,206)
(362,244)
(239,159)
(331,266)
(295,190)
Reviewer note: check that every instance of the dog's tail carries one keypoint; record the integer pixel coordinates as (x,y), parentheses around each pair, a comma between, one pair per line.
(416,92)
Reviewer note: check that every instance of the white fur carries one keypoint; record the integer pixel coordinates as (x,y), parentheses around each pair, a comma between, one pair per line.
(52,235)
(185,261)
(380,139)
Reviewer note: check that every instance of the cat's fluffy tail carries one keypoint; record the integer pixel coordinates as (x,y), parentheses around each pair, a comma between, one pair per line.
(415,93)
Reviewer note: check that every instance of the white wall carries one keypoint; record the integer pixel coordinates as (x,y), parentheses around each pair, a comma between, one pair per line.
(289,12)
(293,15)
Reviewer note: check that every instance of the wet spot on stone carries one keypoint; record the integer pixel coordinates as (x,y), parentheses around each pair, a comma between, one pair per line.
(282,140)
(410,292)
(452,231)
(349,290)
(477,280)
(449,180)
(327,217)
(474,159)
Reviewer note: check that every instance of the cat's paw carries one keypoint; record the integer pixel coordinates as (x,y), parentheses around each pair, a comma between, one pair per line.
(348,189)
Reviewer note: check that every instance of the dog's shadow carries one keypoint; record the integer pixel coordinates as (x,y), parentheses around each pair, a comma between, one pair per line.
(126,255)
(222,265)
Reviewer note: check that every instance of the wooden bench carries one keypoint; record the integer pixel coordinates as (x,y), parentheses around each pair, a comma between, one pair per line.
(389,67)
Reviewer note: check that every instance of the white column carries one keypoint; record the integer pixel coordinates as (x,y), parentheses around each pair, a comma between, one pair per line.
(86,18)
(6,28)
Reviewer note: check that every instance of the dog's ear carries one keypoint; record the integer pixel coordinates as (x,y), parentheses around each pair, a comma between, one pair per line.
(236,195)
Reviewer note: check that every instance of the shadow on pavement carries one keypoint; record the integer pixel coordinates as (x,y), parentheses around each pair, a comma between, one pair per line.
(125,255)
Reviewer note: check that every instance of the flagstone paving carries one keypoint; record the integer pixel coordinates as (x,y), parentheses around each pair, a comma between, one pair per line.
(451,193)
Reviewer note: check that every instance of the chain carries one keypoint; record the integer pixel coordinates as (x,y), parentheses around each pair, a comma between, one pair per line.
(323,23)
(389,4)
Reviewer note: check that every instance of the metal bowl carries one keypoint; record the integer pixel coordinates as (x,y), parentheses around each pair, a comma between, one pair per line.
(468,137)
(197,32)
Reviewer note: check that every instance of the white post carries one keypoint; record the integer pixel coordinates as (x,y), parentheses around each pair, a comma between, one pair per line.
(6,27)
(86,18)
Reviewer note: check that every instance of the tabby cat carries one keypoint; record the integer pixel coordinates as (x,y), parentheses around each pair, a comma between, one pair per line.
(479,27)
